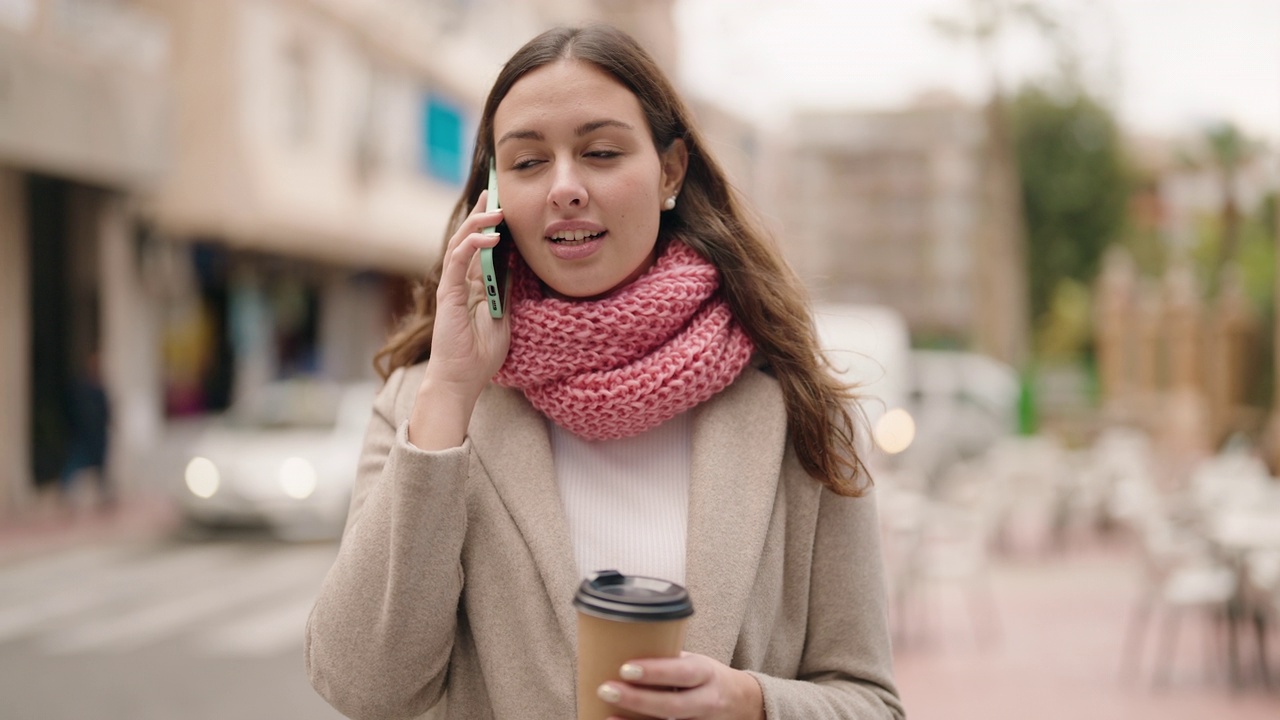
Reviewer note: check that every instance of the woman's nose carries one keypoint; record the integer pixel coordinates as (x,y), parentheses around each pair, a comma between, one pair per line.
(567,188)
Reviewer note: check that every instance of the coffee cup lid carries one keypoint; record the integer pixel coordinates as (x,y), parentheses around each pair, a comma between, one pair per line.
(610,594)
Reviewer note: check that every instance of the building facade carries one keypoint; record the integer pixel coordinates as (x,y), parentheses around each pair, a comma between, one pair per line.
(886,208)
(85,124)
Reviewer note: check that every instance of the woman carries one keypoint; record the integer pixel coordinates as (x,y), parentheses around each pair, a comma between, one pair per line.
(658,363)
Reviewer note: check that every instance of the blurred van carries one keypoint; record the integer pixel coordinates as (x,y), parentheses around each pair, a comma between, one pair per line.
(869,346)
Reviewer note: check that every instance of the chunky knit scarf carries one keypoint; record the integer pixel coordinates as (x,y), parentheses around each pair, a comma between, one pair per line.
(615,367)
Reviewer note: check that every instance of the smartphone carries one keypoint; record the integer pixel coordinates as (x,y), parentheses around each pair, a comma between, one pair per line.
(494,261)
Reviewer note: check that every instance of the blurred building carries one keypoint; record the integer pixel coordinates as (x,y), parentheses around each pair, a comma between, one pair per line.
(214,194)
(751,156)
(85,123)
(886,207)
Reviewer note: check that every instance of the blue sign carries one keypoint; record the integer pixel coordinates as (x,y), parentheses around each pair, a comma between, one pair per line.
(444,147)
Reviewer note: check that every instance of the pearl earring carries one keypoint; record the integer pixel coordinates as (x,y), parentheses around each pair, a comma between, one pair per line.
(669,203)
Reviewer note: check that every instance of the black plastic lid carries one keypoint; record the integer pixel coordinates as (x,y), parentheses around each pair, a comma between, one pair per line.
(610,594)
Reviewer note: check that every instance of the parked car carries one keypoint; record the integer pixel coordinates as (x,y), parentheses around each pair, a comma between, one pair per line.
(285,457)
(963,403)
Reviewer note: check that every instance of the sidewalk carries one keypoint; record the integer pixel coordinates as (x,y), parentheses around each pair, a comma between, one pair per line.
(1062,618)
(1062,622)
(137,516)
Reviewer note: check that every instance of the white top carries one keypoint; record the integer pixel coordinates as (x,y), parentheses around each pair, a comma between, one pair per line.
(627,501)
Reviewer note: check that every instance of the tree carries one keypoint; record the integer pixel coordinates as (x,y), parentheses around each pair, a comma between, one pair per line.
(1001,295)
(1075,187)
(1228,150)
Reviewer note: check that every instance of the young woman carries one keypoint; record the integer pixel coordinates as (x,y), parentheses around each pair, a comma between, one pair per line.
(653,402)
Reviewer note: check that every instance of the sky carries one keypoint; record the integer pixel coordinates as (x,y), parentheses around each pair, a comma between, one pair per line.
(1168,67)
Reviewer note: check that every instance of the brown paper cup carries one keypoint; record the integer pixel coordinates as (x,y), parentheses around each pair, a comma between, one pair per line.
(623,618)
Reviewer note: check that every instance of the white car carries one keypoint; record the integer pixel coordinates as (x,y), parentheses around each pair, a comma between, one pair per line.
(963,401)
(285,456)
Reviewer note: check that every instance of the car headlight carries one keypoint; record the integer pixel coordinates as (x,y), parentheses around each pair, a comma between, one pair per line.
(202,477)
(894,431)
(297,478)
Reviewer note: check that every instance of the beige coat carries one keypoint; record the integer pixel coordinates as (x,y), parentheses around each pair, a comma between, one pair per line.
(456,573)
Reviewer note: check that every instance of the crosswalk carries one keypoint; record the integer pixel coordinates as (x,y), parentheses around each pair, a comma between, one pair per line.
(214,599)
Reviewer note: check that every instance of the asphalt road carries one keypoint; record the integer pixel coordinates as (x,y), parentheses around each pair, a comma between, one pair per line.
(166,629)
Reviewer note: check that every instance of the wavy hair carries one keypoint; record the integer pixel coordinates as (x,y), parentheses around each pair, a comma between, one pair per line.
(764,293)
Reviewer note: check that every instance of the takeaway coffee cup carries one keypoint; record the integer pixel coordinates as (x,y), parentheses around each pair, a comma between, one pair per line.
(621,618)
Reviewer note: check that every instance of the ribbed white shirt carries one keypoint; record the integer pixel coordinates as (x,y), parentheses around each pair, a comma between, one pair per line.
(627,501)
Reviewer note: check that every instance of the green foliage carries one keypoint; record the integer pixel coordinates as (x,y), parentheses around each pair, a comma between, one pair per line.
(1203,253)
(1146,247)
(1141,233)
(1067,327)
(1075,186)
(1256,256)
(1256,261)
(1229,146)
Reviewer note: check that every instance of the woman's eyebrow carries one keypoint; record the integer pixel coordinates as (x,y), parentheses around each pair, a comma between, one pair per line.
(594,125)
(583,129)
(521,135)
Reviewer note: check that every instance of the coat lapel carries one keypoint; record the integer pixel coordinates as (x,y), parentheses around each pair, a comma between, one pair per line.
(511,440)
(738,441)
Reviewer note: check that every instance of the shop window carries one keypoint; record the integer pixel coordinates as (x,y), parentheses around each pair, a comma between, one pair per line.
(198,356)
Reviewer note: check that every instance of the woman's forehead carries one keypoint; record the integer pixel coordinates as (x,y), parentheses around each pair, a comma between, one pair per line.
(566,92)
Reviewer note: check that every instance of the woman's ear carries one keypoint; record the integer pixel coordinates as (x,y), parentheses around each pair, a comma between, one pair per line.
(675,161)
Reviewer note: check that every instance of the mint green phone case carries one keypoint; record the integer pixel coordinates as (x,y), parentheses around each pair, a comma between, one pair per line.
(493,279)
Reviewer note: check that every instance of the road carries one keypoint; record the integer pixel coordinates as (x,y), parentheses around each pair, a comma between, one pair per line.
(161,630)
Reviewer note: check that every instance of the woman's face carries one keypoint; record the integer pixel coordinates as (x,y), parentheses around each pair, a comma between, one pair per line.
(581,183)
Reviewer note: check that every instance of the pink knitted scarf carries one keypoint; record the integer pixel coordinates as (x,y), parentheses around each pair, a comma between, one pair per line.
(615,367)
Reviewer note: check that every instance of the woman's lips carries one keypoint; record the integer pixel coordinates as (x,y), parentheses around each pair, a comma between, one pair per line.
(576,249)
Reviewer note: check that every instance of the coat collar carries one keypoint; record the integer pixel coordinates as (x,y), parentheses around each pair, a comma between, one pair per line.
(738,441)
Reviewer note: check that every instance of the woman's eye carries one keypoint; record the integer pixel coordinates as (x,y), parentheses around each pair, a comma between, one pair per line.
(522,164)
(603,154)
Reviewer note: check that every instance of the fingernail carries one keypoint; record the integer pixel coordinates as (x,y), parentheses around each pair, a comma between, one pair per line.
(608,693)
(631,672)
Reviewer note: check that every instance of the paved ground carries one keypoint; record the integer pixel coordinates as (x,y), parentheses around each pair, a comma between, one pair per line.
(49,528)
(1062,623)
(1056,652)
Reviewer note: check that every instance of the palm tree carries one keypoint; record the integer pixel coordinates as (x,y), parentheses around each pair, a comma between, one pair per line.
(1229,149)
(1275,391)
(1003,323)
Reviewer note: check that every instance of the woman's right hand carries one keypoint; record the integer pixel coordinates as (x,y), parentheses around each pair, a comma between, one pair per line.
(468,346)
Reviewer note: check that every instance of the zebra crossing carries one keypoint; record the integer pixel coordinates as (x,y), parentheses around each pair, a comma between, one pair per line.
(223,599)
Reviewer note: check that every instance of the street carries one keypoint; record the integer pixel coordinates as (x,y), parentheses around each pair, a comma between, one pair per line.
(161,630)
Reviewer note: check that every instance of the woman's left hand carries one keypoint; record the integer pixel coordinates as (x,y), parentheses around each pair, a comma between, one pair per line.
(690,686)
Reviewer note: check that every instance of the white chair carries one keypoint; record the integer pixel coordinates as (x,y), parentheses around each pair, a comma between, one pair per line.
(1229,480)
(1179,576)
(1262,598)
(944,551)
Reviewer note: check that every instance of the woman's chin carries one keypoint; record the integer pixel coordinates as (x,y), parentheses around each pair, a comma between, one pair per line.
(594,283)
(578,293)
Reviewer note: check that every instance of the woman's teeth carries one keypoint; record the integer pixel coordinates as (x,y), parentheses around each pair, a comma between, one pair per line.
(574,237)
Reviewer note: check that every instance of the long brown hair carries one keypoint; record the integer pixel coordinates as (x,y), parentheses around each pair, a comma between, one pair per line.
(763,291)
